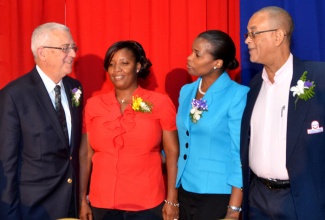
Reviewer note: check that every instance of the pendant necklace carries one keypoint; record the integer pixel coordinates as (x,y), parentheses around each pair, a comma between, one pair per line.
(200,91)
(124,101)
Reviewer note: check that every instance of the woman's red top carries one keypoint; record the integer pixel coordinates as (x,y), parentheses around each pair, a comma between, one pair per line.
(126,165)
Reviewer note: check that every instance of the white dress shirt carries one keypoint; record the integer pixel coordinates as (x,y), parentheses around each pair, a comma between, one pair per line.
(267,150)
(50,85)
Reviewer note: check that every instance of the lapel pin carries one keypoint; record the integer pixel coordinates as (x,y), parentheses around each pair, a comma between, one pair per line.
(315,128)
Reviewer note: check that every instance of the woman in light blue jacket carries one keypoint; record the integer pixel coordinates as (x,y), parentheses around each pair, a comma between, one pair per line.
(208,122)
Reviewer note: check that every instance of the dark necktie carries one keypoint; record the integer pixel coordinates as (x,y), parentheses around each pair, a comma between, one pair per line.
(60,111)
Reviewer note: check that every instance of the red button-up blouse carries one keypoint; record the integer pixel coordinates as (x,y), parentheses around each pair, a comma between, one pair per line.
(126,170)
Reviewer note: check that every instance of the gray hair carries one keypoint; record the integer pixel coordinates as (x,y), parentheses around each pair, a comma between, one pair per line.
(42,33)
(279,18)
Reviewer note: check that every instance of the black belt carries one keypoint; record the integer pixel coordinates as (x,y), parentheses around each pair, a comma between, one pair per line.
(274,183)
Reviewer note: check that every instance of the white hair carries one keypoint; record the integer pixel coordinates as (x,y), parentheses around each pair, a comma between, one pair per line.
(42,33)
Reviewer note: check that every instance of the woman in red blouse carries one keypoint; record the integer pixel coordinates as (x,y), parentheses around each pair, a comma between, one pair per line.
(120,151)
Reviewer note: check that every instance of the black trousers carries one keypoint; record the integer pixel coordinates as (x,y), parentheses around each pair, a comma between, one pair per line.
(193,206)
(115,214)
(270,204)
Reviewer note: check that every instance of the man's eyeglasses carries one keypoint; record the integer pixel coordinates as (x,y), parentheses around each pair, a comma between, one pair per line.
(253,34)
(65,48)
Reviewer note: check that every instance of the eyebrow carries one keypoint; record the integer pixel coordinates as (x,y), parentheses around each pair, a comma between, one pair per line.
(252,28)
(73,44)
(197,51)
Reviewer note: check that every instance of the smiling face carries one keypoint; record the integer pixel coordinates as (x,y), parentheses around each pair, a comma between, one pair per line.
(123,69)
(262,47)
(200,62)
(54,62)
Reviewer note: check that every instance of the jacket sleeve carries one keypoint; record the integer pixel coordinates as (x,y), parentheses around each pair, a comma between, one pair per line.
(10,138)
(235,115)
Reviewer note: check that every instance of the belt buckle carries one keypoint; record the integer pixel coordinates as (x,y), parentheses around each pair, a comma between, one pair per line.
(268,184)
(274,184)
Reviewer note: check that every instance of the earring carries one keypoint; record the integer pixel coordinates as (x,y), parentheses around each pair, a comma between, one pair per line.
(215,68)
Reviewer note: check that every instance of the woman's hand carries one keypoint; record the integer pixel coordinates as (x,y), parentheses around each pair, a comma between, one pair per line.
(85,157)
(85,211)
(231,214)
(170,212)
(234,202)
(171,148)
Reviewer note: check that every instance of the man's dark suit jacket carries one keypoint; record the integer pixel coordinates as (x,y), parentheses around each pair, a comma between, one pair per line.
(305,153)
(36,162)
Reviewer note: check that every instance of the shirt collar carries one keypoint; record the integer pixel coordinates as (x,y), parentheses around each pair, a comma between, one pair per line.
(281,74)
(49,84)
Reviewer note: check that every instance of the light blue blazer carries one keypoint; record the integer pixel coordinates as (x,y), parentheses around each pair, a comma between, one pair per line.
(209,160)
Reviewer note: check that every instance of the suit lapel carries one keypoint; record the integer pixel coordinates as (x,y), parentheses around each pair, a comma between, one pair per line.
(252,97)
(45,102)
(187,104)
(296,115)
(255,87)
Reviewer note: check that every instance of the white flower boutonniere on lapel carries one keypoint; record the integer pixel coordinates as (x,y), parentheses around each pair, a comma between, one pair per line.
(76,95)
(304,89)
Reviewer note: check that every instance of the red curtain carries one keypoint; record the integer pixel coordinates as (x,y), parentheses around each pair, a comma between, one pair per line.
(17,23)
(165,28)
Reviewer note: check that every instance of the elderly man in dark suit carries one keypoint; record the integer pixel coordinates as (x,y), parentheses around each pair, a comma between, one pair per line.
(282,135)
(40,130)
